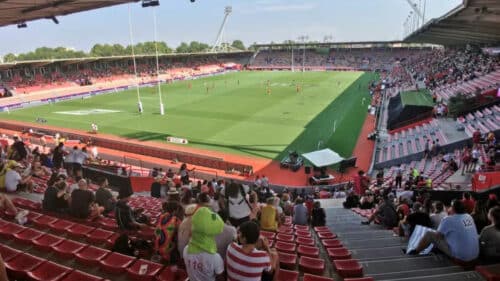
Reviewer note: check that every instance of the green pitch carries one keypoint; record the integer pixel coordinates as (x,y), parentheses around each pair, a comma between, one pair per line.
(421,98)
(231,113)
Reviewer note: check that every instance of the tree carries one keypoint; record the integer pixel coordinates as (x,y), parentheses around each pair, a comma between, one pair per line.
(183,48)
(197,47)
(238,44)
(10,57)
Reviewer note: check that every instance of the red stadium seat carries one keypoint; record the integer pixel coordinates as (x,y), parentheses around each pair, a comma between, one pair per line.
(20,265)
(28,235)
(339,253)
(8,253)
(77,275)
(321,228)
(60,226)
(308,251)
(287,275)
(326,235)
(9,214)
(79,230)
(152,269)
(48,271)
(33,215)
(305,241)
(304,234)
(116,263)
(285,238)
(99,236)
(309,277)
(108,224)
(91,255)
(46,242)
(269,235)
(3,222)
(146,233)
(348,268)
(8,230)
(287,260)
(489,272)
(285,247)
(43,221)
(68,248)
(285,230)
(331,243)
(301,227)
(171,273)
(312,265)
(111,240)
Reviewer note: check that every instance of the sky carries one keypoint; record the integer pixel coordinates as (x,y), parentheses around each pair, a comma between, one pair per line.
(261,21)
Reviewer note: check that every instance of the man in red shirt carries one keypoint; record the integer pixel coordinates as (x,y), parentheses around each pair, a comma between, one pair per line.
(468,202)
(476,137)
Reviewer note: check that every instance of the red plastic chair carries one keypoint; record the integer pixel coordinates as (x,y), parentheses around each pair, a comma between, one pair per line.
(301,227)
(309,277)
(8,230)
(285,238)
(269,235)
(286,275)
(331,243)
(287,260)
(116,263)
(46,242)
(91,255)
(111,240)
(18,266)
(108,224)
(60,226)
(285,230)
(339,253)
(152,270)
(26,236)
(304,234)
(285,247)
(326,235)
(99,236)
(79,230)
(305,241)
(33,215)
(308,251)
(68,248)
(321,228)
(348,268)
(48,271)
(312,265)
(489,272)
(77,275)
(8,253)
(43,221)
(168,274)
(146,233)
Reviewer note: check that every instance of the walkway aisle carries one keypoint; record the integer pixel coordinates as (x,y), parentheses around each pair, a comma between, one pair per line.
(381,255)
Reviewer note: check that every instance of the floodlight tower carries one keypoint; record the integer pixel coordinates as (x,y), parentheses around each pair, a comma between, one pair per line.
(417,8)
(219,42)
(304,38)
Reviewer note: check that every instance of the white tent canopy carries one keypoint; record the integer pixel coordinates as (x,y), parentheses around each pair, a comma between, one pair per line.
(323,158)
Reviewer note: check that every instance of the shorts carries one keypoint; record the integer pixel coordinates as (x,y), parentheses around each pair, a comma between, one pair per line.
(236,222)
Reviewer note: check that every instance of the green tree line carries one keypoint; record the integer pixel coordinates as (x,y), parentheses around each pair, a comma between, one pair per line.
(106,50)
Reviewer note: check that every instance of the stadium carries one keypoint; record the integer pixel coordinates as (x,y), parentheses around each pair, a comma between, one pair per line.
(310,160)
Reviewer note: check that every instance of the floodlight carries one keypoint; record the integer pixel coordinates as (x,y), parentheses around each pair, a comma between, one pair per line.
(150,3)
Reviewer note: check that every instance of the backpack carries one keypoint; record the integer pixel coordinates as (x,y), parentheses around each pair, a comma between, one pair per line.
(242,192)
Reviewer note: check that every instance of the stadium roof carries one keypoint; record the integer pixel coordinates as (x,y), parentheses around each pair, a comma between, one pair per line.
(68,61)
(18,11)
(474,21)
(359,44)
